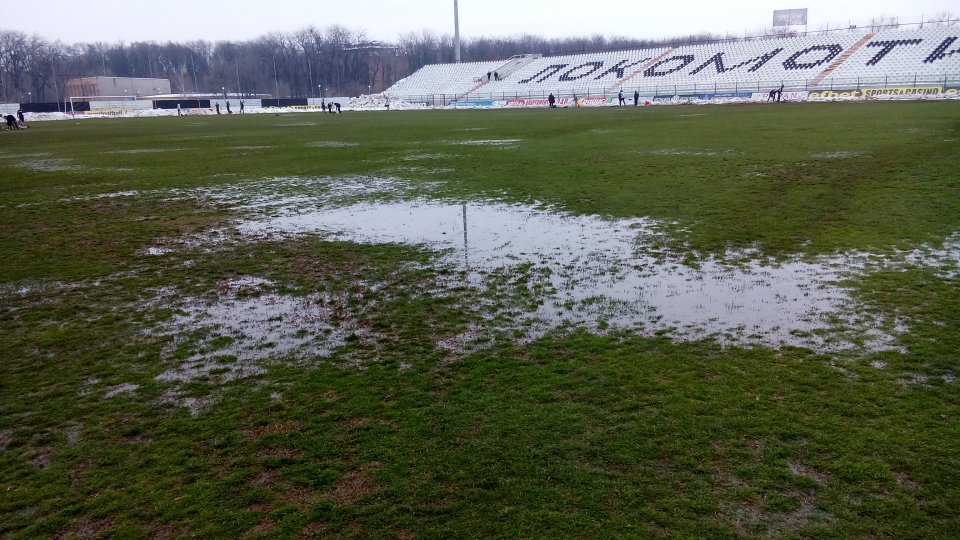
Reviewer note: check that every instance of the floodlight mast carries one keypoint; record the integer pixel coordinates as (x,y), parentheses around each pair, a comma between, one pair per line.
(456,32)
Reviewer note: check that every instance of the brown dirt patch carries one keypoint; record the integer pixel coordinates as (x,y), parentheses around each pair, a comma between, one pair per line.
(298,495)
(286,453)
(331,396)
(264,477)
(313,531)
(817,476)
(260,528)
(85,528)
(904,480)
(277,428)
(6,435)
(41,457)
(357,422)
(169,532)
(351,487)
(778,524)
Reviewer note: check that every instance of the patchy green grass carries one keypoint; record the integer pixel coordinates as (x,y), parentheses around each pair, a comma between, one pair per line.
(391,435)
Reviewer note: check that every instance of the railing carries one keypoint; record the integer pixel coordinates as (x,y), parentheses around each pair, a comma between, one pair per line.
(947,81)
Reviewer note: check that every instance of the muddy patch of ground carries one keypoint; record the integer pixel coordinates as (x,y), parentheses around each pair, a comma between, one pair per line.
(6,435)
(351,487)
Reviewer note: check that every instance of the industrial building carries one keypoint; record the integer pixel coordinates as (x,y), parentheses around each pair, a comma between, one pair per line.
(116,86)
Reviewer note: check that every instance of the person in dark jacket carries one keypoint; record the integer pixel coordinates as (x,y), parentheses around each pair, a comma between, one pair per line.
(552,101)
(636,98)
(11,121)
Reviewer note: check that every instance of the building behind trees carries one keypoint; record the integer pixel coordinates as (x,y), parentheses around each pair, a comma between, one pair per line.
(116,86)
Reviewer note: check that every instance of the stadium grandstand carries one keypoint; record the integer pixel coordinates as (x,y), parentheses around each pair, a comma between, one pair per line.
(918,61)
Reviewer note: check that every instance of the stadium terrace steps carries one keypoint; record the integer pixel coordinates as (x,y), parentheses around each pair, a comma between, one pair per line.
(928,56)
(515,63)
(616,86)
(841,59)
(503,71)
(446,79)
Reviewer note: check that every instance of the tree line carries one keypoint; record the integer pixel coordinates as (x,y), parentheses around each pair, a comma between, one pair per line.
(312,62)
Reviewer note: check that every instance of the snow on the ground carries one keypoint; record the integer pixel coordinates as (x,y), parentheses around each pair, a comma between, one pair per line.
(380,102)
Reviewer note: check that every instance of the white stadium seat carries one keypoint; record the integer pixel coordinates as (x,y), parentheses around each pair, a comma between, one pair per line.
(853,59)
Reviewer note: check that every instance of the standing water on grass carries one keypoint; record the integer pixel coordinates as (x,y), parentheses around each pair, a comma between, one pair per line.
(606,274)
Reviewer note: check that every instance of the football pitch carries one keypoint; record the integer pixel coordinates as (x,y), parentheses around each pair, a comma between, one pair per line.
(724,321)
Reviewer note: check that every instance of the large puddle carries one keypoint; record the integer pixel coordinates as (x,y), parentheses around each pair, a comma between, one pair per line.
(554,270)
(580,271)
(608,274)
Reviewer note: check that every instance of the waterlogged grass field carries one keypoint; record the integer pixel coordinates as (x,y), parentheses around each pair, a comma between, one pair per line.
(732,321)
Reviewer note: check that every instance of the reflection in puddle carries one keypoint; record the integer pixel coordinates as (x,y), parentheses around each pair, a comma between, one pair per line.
(836,155)
(491,142)
(48,165)
(145,151)
(601,273)
(423,157)
(707,152)
(332,144)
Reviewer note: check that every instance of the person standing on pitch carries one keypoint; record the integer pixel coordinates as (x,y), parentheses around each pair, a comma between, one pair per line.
(20,117)
(622,101)
(552,101)
(241,106)
(636,98)
(218,108)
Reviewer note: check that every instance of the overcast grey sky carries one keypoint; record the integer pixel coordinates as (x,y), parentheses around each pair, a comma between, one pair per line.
(182,20)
